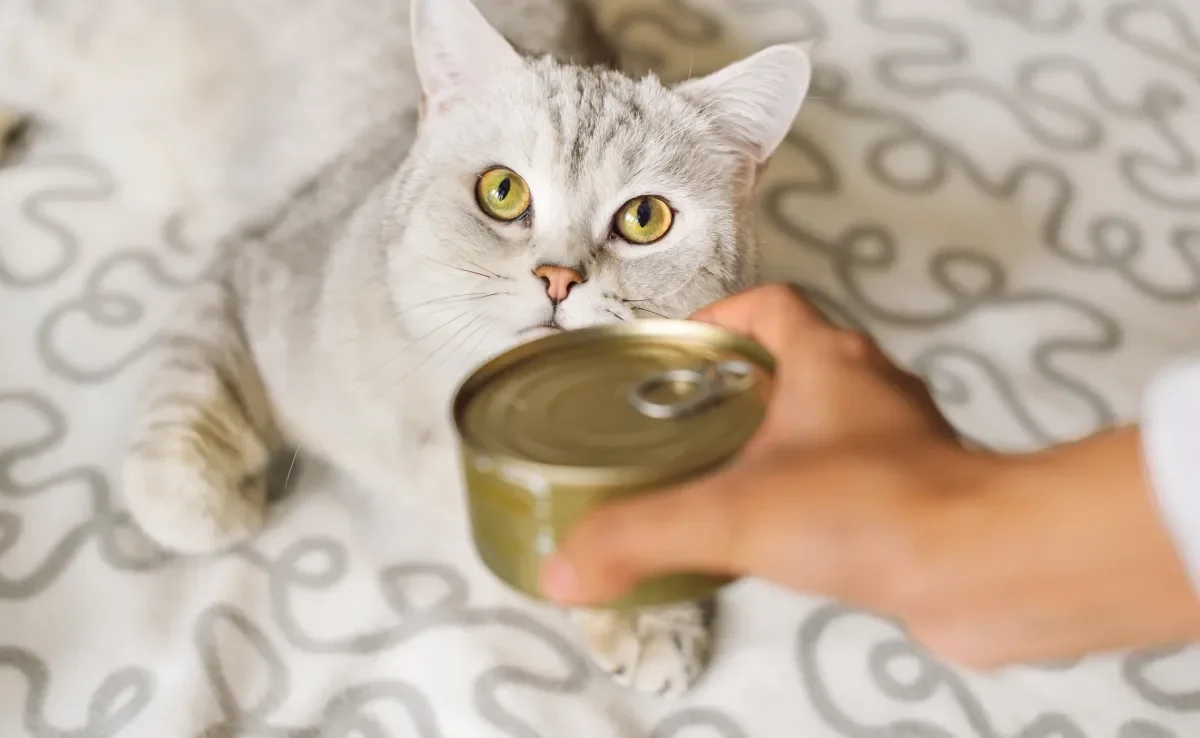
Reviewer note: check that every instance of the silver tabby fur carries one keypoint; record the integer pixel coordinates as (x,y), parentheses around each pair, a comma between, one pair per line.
(341,324)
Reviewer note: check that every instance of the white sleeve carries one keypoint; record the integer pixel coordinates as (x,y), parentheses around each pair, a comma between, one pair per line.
(1171,454)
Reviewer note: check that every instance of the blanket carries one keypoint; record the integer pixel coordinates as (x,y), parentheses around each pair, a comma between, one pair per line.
(1004,192)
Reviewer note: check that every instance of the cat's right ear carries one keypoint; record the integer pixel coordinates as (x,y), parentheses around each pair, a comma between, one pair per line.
(456,51)
(756,100)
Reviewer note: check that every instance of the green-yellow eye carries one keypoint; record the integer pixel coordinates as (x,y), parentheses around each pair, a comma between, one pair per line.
(502,194)
(644,220)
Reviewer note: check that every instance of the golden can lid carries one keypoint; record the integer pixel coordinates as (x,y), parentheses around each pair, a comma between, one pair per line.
(631,403)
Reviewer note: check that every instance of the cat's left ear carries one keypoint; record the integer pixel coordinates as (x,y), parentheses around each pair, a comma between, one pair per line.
(755,100)
(456,51)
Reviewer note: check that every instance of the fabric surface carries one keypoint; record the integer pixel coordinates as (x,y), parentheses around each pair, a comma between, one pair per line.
(1004,192)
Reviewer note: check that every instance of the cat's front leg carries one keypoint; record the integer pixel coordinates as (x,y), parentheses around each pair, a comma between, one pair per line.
(195,477)
(661,651)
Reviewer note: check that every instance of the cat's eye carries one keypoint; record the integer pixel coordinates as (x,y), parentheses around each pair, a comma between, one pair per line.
(644,220)
(502,194)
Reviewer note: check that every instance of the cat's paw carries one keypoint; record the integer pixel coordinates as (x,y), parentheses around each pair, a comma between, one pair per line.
(661,651)
(192,508)
(14,135)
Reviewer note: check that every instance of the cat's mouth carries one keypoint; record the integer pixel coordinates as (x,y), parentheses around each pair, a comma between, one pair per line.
(549,325)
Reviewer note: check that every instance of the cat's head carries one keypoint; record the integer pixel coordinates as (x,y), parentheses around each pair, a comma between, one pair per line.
(543,194)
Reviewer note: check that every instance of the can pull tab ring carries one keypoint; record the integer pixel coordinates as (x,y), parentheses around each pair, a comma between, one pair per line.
(703,386)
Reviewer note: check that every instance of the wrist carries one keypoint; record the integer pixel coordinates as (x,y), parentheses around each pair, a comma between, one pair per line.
(1054,555)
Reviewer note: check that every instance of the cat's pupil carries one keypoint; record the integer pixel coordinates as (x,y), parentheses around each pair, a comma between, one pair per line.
(644,213)
(503,189)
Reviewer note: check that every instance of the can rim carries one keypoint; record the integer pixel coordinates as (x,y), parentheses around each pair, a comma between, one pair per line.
(705,333)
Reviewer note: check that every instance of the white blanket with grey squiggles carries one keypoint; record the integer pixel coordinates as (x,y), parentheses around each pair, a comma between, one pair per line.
(1004,192)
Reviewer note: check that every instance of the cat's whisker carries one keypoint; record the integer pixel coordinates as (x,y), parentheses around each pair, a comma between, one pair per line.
(449,340)
(454,351)
(455,276)
(291,466)
(482,337)
(445,276)
(485,269)
(388,320)
(493,275)
(433,353)
(465,297)
(386,323)
(648,310)
(382,367)
(679,287)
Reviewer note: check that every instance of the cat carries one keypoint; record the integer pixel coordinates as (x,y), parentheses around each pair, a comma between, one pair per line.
(503,190)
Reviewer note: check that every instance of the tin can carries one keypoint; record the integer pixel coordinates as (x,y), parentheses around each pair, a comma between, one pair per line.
(560,425)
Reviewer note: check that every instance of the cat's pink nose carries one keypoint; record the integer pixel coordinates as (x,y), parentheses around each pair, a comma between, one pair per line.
(558,280)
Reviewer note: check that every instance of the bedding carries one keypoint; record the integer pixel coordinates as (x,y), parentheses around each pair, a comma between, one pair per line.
(1005,193)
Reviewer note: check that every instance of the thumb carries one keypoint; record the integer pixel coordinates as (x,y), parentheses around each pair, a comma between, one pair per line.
(693,528)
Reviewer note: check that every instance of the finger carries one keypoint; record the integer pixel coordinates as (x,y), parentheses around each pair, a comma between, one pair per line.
(690,528)
(776,316)
(810,524)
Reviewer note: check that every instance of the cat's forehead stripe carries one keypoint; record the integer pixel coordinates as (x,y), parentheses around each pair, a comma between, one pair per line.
(590,106)
(588,110)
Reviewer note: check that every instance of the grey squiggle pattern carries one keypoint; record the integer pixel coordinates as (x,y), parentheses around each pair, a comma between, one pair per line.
(942,157)
(91,184)
(1004,192)
(112,309)
(113,706)
(1182,52)
(721,725)
(121,545)
(1056,16)
(1145,729)
(1137,670)
(293,574)
(344,715)
(925,680)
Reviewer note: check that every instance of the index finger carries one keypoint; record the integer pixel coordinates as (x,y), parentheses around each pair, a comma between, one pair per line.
(775,315)
(795,519)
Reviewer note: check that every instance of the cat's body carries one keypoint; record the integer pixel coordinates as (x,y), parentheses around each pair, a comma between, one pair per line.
(342,325)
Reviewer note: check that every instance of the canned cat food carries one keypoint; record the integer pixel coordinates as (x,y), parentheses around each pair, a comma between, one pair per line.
(565,423)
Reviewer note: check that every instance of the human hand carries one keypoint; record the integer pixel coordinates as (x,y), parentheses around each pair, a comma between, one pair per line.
(857,488)
(806,503)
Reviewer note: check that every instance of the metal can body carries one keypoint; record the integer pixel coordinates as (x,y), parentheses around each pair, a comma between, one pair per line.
(561,425)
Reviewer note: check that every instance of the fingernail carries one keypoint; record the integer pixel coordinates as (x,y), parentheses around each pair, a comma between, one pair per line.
(558,579)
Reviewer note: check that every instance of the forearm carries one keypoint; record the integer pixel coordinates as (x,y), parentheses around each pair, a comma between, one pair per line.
(1062,553)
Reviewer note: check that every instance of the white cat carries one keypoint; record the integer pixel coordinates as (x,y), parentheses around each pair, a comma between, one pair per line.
(459,197)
